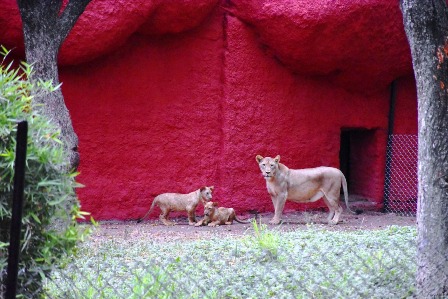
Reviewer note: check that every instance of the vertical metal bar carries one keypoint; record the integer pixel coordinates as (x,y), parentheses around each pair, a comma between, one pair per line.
(17,203)
(390,132)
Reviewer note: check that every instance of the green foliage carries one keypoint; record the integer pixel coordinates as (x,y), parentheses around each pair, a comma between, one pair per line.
(50,209)
(265,240)
(153,283)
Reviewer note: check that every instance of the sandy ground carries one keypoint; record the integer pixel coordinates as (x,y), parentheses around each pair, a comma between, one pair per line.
(154,230)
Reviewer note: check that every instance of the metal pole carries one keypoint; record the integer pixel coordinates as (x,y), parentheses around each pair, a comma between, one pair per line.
(389,152)
(17,203)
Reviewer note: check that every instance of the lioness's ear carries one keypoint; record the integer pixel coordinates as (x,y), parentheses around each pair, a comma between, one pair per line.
(212,187)
(259,158)
(277,159)
(202,189)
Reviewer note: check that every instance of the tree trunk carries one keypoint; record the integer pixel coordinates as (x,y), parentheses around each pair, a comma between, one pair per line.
(426,26)
(53,105)
(45,27)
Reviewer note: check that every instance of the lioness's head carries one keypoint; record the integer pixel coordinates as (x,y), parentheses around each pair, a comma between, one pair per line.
(268,165)
(209,208)
(206,193)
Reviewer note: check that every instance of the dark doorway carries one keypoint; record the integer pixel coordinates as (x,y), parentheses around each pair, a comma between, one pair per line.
(360,161)
(344,154)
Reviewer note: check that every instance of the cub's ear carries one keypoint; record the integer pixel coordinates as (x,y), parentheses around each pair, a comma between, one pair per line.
(215,204)
(277,159)
(202,189)
(259,158)
(212,188)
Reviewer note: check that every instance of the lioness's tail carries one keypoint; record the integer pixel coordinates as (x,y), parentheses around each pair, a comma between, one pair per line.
(147,213)
(344,187)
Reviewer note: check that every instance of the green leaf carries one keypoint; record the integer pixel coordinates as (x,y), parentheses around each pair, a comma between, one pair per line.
(56,202)
(35,218)
(49,183)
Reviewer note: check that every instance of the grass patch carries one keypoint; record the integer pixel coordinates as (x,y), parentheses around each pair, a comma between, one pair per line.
(311,263)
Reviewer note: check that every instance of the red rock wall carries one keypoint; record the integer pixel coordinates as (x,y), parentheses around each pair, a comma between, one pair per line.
(406,106)
(149,120)
(163,106)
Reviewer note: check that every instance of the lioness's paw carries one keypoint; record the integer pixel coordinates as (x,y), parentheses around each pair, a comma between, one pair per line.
(275,221)
(332,222)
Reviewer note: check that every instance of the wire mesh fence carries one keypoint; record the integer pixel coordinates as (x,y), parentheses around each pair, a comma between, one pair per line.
(401,175)
(265,263)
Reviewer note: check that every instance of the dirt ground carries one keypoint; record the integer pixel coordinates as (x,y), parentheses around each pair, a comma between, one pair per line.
(154,230)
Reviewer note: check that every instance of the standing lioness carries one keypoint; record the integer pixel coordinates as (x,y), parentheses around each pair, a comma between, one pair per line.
(303,185)
(168,202)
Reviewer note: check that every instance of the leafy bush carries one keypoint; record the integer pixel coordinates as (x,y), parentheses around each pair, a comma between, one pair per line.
(49,226)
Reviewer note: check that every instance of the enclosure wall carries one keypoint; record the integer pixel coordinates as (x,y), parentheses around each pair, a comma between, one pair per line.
(174,114)
(170,96)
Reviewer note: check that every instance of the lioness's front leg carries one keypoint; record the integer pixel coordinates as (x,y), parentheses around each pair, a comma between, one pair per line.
(191,216)
(200,222)
(214,223)
(279,204)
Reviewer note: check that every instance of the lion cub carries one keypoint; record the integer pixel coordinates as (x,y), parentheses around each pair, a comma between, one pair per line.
(168,202)
(214,216)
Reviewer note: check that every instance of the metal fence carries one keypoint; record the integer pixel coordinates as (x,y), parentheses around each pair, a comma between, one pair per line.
(400,193)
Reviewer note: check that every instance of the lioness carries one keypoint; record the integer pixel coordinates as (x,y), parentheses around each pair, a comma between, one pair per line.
(214,216)
(303,185)
(168,202)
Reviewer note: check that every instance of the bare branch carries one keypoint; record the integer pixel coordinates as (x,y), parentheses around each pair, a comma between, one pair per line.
(69,16)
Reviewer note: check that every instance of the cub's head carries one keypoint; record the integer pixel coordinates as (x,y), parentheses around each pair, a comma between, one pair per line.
(268,165)
(209,208)
(206,193)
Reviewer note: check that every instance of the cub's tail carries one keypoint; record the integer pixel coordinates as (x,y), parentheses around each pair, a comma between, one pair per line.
(243,221)
(149,211)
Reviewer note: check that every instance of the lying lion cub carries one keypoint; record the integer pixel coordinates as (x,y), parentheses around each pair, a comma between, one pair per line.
(303,185)
(168,202)
(214,216)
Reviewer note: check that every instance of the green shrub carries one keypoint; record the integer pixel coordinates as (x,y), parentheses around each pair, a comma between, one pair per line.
(264,239)
(50,208)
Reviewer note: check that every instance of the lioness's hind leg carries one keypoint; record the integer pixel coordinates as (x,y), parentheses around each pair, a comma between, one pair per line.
(231,218)
(164,217)
(337,214)
(330,215)
(332,196)
(331,208)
